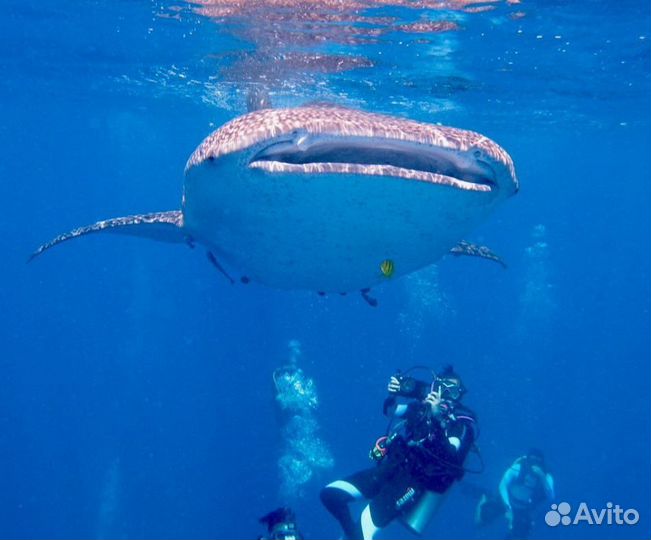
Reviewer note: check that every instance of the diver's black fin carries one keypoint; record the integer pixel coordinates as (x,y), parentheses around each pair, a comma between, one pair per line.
(215,262)
(488,509)
(369,299)
(162,226)
(473,250)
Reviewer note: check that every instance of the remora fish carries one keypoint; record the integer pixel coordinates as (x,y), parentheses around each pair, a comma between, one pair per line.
(323,198)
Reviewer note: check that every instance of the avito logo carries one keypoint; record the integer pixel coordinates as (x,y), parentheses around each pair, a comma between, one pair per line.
(613,514)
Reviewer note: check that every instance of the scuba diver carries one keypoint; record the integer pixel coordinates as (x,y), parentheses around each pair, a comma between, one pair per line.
(524,485)
(281,525)
(417,460)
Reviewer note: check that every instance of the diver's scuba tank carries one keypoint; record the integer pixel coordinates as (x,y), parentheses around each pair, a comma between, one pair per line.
(420,514)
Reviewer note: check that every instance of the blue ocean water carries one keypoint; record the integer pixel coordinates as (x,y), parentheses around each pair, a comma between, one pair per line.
(137,393)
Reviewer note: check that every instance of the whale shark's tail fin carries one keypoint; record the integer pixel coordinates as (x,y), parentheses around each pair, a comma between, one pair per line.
(162,226)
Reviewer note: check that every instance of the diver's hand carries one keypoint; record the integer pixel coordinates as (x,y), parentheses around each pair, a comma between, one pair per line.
(433,399)
(394,385)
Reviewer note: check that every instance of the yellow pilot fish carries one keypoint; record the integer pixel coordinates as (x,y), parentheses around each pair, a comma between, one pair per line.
(387,268)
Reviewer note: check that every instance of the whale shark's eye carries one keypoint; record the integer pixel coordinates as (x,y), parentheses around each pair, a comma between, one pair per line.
(301,140)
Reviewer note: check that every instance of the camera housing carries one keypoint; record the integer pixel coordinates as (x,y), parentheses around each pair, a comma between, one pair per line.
(407,384)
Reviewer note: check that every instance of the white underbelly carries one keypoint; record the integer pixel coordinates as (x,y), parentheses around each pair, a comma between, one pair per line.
(324,232)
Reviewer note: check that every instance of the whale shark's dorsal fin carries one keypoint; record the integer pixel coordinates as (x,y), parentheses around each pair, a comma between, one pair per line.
(473,250)
(162,226)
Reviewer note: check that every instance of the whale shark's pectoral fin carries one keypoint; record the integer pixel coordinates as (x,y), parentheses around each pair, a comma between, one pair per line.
(466,248)
(161,226)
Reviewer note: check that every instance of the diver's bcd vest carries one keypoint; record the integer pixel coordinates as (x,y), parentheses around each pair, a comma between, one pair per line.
(421,450)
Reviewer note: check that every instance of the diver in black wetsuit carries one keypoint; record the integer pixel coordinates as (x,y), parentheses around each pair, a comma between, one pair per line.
(418,460)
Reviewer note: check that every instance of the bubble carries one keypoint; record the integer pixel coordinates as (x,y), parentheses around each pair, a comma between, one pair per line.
(295,391)
(303,451)
(537,300)
(295,352)
(426,306)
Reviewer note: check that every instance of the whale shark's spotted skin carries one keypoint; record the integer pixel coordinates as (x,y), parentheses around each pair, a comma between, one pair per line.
(258,126)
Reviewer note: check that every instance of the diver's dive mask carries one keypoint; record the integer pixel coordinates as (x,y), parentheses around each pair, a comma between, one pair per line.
(450,389)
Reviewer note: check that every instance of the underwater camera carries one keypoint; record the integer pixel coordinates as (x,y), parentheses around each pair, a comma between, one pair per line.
(407,384)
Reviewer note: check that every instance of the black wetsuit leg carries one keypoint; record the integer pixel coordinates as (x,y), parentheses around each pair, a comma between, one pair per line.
(398,492)
(336,500)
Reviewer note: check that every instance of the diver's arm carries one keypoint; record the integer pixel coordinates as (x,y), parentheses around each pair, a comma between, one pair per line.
(509,476)
(549,487)
(460,436)
(400,410)
(403,387)
(392,408)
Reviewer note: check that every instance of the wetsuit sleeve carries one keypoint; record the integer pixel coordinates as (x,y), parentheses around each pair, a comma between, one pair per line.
(392,408)
(507,479)
(460,437)
(412,411)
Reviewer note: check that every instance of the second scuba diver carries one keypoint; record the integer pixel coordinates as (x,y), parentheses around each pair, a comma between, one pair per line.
(417,461)
(524,485)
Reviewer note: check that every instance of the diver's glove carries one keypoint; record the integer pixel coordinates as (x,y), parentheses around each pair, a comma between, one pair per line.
(394,384)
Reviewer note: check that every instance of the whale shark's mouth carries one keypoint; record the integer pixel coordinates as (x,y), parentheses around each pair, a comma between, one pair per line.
(313,154)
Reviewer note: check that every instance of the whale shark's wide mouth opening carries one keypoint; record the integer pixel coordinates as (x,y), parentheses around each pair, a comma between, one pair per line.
(376,156)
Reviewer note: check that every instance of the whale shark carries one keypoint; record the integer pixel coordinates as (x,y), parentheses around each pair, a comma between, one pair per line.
(328,198)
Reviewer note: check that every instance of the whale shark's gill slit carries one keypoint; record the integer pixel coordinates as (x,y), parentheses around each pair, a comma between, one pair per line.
(366,151)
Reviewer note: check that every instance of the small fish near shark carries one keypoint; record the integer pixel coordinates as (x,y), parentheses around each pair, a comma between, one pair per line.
(329,199)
